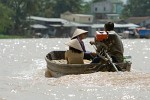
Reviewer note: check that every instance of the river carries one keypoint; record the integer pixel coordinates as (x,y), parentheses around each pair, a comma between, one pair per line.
(22,68)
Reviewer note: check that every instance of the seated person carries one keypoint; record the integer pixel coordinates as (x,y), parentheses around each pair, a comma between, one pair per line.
(115,46)
(75,53)
(114,43)
(81,34)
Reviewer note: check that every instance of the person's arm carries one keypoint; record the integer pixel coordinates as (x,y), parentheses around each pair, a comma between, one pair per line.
(93,42)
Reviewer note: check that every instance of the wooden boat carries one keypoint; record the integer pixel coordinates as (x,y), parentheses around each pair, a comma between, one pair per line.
(57,65)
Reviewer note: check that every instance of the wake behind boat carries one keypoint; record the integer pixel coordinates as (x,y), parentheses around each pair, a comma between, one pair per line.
(57,65)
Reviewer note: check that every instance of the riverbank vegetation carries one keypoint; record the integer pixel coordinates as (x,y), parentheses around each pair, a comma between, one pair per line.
(13,13)
(11,36)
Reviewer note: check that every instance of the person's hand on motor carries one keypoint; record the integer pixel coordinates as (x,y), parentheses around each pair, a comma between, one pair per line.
(92,42)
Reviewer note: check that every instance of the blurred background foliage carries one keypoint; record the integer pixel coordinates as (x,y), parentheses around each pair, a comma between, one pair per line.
(13,13)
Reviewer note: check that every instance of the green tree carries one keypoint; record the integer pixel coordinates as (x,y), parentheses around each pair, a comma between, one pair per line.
(45,8)
(98,0)
(136,8)
(21,9)
(24,8)
(5,18)
(62,6)
(86,8)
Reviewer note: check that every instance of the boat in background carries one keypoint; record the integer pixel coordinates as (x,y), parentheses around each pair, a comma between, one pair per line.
(144,33)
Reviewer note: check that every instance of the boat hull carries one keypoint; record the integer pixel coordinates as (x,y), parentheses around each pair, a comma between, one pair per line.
(58,67)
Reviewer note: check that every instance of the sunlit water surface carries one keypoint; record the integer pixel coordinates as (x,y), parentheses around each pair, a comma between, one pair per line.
(22,68)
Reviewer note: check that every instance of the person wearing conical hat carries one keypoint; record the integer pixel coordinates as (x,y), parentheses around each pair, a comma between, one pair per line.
(75,53)
(81,34)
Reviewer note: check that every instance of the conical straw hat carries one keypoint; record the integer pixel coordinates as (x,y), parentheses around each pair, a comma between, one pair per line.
(74,43)
(77,32)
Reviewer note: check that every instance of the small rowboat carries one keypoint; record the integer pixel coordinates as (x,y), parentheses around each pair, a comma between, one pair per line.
(57,65)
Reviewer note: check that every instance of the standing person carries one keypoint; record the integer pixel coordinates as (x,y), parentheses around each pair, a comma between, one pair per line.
(81,34)
(75,53)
